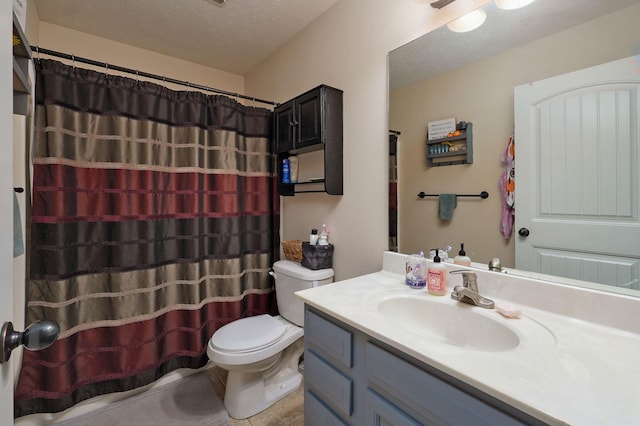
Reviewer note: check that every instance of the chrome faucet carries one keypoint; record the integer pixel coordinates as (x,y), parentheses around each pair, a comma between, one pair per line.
(468,291)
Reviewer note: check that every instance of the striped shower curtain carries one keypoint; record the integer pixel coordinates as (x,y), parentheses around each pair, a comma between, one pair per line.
(154,222)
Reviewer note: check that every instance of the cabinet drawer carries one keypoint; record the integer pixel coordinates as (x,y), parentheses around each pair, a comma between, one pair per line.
(318,414)
(328,384)
(429,397)
(382,412)
(328,339)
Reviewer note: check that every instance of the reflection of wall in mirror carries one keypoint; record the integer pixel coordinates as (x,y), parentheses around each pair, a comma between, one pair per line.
(482,93)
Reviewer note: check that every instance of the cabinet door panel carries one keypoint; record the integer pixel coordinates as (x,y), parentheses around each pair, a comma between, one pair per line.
(432,398)
(284,127)
(308,119)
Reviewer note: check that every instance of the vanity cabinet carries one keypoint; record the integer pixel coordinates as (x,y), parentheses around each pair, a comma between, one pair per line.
(451,150)
(21,60)
(307,123)
(353,379)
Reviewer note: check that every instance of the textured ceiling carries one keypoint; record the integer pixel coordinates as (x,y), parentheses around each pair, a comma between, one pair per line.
(442,50)
(234,37)
(238,35)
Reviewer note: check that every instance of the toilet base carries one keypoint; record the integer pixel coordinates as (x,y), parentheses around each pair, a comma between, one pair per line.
(250,392)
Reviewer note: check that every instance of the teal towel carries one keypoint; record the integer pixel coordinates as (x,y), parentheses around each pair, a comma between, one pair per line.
(448,202)
(18,244)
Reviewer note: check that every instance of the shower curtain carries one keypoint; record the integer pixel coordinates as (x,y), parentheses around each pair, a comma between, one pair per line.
(154,222)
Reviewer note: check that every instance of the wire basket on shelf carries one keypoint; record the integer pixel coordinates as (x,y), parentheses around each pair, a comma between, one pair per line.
(292,250)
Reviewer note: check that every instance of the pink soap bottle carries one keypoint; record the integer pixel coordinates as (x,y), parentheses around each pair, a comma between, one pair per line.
(437,277)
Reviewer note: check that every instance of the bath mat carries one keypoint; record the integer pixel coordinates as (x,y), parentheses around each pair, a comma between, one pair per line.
(191,401)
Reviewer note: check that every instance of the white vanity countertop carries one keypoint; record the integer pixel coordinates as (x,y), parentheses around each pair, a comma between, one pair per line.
(580,372)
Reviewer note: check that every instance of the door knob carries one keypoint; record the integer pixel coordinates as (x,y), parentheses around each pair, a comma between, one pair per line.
(39,335)
(523,232)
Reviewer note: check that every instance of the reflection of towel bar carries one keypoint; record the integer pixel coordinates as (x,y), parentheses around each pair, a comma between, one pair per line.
(483,195)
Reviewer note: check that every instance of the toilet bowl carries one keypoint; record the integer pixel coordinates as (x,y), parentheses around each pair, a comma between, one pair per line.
(261,353)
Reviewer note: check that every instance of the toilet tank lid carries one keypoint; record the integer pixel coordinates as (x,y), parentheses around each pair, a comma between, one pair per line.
(295,270)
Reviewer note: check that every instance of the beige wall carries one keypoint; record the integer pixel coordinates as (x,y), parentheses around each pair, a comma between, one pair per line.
(54,37)
(347,48)
(482,93)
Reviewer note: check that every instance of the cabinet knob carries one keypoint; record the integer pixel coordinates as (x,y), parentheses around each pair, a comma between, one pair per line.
(523,232)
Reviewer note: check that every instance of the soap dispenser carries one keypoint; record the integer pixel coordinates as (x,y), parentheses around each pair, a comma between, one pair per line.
(462,258)
(437,277)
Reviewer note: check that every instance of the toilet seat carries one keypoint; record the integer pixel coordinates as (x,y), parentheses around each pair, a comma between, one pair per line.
(249,334)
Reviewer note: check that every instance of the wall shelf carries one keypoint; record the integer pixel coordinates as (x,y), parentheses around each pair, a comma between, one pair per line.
(436,156)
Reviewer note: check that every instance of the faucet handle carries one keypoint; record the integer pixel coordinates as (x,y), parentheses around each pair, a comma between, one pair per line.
(469,278)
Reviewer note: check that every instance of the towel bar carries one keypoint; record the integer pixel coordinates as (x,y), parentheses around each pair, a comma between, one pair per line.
(484,195)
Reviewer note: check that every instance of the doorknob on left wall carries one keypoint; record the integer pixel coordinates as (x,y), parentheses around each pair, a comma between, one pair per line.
(39,335)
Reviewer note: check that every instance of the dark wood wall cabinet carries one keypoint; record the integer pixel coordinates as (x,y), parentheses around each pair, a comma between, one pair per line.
(311,122)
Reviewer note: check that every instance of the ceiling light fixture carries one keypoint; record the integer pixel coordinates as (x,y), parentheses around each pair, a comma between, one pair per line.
(468,22)
(217,2)
(512,4)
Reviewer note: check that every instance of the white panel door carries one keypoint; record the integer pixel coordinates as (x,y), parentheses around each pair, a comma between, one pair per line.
(577,177)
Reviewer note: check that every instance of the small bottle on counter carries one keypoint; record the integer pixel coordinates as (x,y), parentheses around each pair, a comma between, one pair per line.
(293,169)
(313,237)
(286,178)
(323,240)
(437,277)
(462,258)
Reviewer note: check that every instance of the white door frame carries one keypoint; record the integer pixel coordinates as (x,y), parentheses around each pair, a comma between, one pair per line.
(6,204)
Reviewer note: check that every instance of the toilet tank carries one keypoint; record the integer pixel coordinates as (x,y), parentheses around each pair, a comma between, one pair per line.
(291,277)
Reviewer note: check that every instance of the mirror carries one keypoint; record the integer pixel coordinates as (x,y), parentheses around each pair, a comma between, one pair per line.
(471,77)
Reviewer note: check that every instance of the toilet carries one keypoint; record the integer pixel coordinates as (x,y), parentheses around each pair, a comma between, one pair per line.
(261,353)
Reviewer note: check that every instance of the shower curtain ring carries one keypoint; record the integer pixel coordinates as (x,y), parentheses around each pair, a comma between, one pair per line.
(73,62)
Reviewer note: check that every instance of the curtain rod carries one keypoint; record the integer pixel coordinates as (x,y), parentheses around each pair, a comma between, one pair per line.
(107,66)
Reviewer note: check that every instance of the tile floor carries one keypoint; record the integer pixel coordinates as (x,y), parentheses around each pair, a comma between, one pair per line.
(286,412)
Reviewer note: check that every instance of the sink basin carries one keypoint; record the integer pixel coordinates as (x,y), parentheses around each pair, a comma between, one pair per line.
(453,324)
